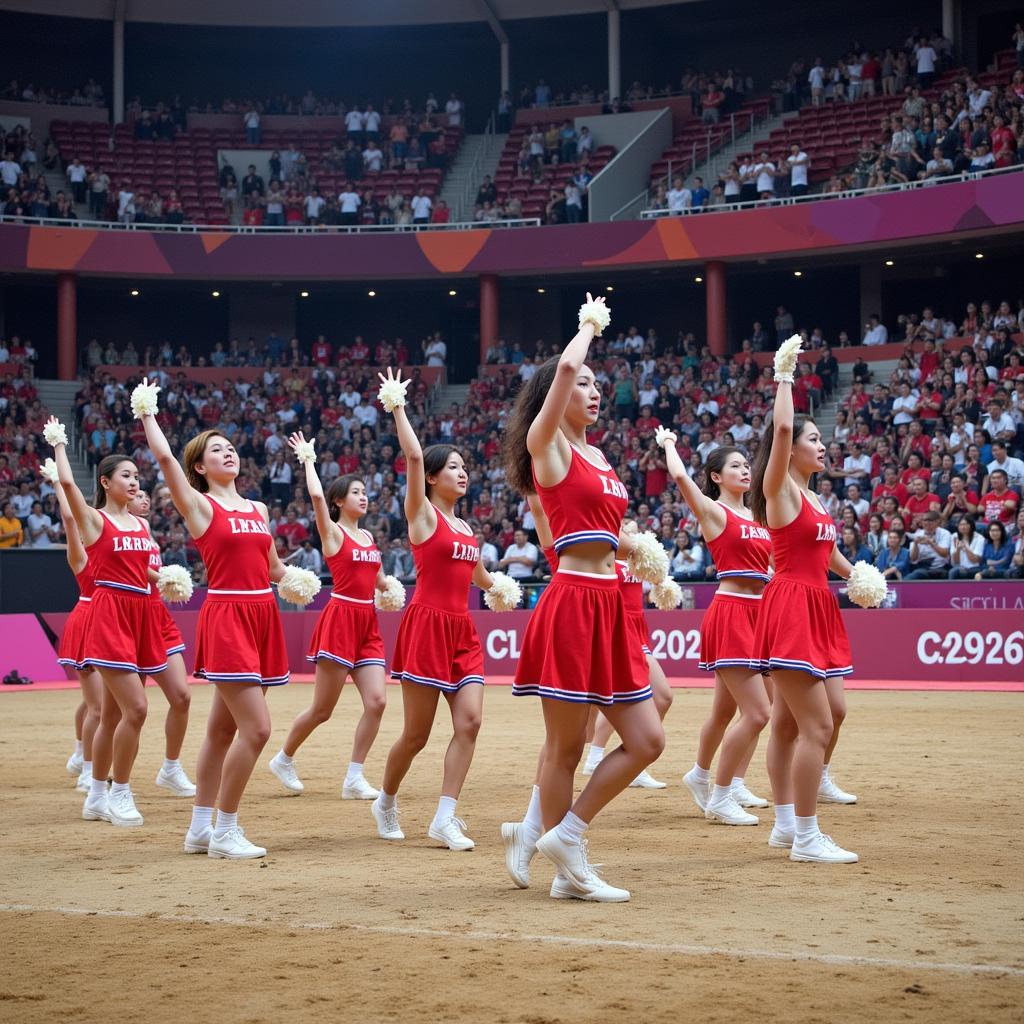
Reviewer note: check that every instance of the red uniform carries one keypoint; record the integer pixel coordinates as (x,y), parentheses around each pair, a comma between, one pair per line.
(239,638)
(741,550)
(799,626)
(122,631)
(347,631)
(632,588)
(70,650)
(579,646)
(437,643)
(168,627)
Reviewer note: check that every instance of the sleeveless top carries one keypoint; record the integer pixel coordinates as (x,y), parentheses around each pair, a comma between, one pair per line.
(444,567)
(119,558)
(354,569)
(742,549)
(552,556)
(155,563)
(236,550)
(587,505)
(86,580)
(632,588)
(804,547)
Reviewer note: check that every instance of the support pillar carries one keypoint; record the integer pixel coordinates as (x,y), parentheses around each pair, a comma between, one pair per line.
(67,327)
(949,24)
(870,294)
(505,76)
(715,296)
(118,76)
(614,55)
(488,313)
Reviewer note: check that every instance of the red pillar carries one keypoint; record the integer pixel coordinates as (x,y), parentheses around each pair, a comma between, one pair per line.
(67,326)
(714,291)
(488,313)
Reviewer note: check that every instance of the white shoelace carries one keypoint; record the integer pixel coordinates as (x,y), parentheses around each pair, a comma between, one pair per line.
(457,823)
(390,818)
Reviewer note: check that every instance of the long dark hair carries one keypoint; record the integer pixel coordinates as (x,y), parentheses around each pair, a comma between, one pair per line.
(434,460)
(758,501)
(518,464)
(338,492)
(106,468)
(715,464)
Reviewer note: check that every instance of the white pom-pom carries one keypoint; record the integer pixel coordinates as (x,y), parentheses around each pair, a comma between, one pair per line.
(49,471)
(866,586)
(298,586)
(785,359)
(392,597)
(666,595)
(648,560)
(54,433)
(305,451)
(174,583)
(662,436)
(144,399)
(504,595)
(392,394)
(596,313)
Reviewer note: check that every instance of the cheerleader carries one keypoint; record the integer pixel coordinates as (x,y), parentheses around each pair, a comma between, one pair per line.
(741,550)
(437,650)
(346,642)
(239,640)
(69,651)
(800,635)
(174,681)
(578,650)
(122,638)
(633,596)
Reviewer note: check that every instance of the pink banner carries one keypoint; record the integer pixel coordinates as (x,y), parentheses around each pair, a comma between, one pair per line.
(932,646)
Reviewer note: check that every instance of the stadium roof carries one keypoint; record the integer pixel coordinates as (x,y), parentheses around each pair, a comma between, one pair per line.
(325,13)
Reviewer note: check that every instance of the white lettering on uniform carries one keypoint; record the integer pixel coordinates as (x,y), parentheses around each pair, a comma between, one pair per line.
(248,525)
(364,555)
(755,533)
(614,487)
(132,544)
(826,532)
(465,552)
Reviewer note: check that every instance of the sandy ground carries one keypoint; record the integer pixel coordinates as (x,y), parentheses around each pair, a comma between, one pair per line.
(105,924)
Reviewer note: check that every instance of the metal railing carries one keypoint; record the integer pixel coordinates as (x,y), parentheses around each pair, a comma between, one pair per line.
(817,197)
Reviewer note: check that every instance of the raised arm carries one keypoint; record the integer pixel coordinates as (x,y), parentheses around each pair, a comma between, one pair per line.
(708,513)
(87,519)
(77,556)
(330,532)
(417,508)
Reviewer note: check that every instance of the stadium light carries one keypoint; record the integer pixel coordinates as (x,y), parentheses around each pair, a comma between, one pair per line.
(134,293)
(889,263)
(372,294)
(609,287)
(979,255)
(798,273)
(452,291)
(698,280)
(540,291)
(215,294)
(303,295)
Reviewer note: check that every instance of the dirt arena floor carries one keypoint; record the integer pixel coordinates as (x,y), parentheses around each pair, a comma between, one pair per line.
(104,924)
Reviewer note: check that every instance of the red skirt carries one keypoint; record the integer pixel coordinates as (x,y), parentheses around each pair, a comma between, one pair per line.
(637,625)
(69,651)
(240,640)
(579,646)
(800,629)
(123,633)
(727,633)
(347,632)
(436,648)
(168,629)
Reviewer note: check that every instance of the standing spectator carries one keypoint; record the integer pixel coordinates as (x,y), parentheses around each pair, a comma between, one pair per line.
(421,205)
(99,191)
(373,158)
(573,203)
(679,197)
(816,79)
(371,124)
(454,108)
(542,94)
(435,351)
(711,104)
(10,170)
(275,205)
(568,137)
(314,206)
(349,203)
(783,325)
(441,213)
(354,126)
(926,57)
(251,122)
(699,195)
(874,332)
(799,163)
(252,183)
(76,174)
(126,204)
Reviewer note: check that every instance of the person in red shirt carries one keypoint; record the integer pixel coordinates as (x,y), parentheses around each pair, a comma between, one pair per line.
(999,504)
(929,361)
(921,501)
(322,351)
(807,387)
(916,469)
(348,461)
(441,214)
(647,423)
(1004,143)
(960,502)
(917,441)
(360,351)
(655,470)
(292,530)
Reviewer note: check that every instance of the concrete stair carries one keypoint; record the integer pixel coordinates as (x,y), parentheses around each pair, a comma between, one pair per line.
(448,394)
(711,170)
(58,396)
(825,416)
(478,155)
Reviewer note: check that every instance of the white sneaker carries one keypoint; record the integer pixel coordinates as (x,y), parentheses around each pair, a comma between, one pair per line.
(700,791)
(728,812)
(74,765)
(821,850)
(232,845)
(84,782)
(122,809)
(563,888)
(779,839)
(830,793)
(387,820)
(518,852)
(97,809)
(647,781)
(198,842)
(745,798)
(451,832)
(286,773)
(358,790)
(176,781)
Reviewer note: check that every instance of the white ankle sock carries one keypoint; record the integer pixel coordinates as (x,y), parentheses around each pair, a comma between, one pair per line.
(720,793)
(387,800)
(533,823)
(785,818)
(700,774)
(571,828)
(806,828)
(594,756)
(87,768)
(120,787)
(355,772)
(98,788)
(78,746)
(225,821)
(170,765)
(736,782)
(824,773)
(202,817)
(445,809)
(283,757)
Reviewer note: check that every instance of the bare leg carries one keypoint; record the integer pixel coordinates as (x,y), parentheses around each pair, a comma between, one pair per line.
(247,705)
(327,684)
(220,731)
(808,704)
(565,727)
(723,707)
(174,683)
(781,744)
(92,692)
(602,731)
(116,742)
(419,705)
(837,704)
(372,687)
(80,713)
(747,689)
(659,684)
(749,754)
(466,707)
